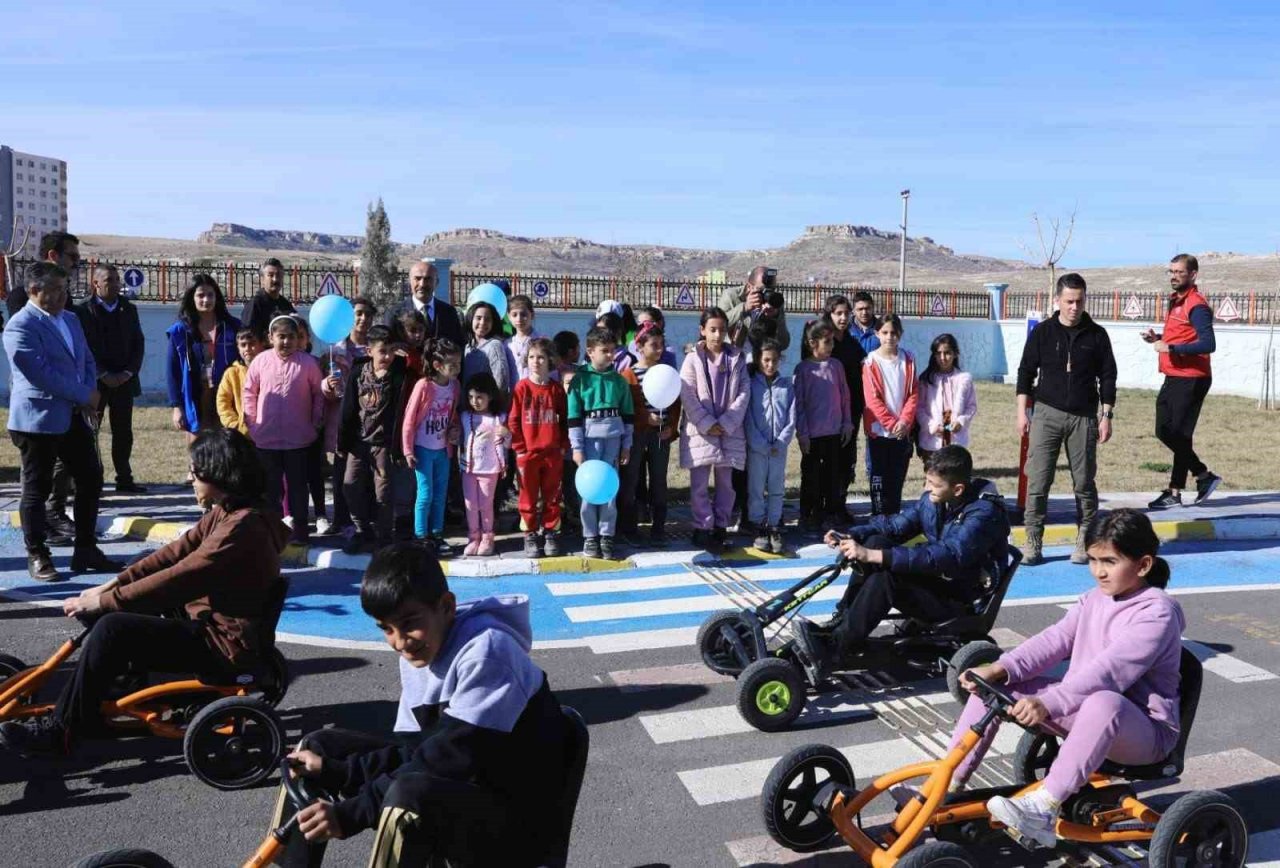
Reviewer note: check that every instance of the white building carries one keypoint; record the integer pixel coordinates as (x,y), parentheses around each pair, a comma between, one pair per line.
(33,194)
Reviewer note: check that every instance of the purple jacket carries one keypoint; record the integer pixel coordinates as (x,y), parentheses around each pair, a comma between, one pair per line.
(1132,646)
(697,447)
(822,399)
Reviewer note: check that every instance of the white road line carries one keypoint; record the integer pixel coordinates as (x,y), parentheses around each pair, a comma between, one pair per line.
(729,783)
(671,580)
(642,640)
(670,606)
(1229,667)
(630,680)
(720,720)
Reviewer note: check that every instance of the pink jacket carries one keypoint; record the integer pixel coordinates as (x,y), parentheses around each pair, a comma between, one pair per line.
(283,400)
(697,447)
(481,450)
(426,392)
(954,392)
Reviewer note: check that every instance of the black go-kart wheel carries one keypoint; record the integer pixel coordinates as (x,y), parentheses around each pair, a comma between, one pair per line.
(1031,759)
(131,858)
(938,854)
(787,799)
(277,683)
(771,694)
(726,643)
(234,742)
(10,666)
(1202,828)
(973,654)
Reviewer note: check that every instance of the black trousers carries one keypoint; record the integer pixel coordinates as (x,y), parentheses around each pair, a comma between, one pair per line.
(123,641)
(849,458)
(1177,411)
(38,454)
(890,459)
(315,475)
(290,465)
(865,604)
(822,478)
(422,815)
(341,514)
(117,403)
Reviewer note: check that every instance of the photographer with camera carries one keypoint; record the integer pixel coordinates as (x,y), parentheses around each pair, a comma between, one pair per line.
(756,299)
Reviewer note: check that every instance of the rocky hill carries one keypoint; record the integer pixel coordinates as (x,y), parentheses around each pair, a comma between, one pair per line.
(235,235)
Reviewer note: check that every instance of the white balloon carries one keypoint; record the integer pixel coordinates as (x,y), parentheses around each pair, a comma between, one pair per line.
(661,386)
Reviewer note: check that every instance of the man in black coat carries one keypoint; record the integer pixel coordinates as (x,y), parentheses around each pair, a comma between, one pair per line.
(114,334)
(269,301)
(442,318)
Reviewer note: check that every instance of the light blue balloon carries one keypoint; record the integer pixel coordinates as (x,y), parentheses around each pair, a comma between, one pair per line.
(597,481)
(492,294)
(331,318)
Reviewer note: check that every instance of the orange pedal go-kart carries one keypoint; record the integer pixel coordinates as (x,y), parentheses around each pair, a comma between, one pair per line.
(810,800)
(231,735)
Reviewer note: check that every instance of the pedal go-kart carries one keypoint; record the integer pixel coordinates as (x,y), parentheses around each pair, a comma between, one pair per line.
(753,644)
(305,791)
(231,735)
(810,800)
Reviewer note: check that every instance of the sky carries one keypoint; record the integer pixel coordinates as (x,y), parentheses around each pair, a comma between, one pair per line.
(726,125)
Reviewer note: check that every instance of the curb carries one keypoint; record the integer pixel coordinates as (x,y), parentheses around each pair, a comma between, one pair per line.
(163,532)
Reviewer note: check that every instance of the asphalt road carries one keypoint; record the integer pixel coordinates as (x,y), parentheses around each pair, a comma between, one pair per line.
(673,777)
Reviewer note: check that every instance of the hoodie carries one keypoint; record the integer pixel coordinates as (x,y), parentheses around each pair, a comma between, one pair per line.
(486,713)
(771,415)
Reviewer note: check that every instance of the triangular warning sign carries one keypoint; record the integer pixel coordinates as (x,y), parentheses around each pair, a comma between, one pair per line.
(1132,308)
(685,298)
(329,285)
(1227,310)
(938,307)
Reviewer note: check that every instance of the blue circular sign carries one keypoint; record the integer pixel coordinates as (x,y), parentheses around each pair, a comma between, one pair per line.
(134,278)
(541,290)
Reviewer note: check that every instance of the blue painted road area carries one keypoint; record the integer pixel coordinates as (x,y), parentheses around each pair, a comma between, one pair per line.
(324,604)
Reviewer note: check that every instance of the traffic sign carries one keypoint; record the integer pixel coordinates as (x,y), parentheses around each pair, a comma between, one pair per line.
(939,306)
(329,285)
(685,296)
(1227,310)
(541,290)
(134,278)
(1132,308)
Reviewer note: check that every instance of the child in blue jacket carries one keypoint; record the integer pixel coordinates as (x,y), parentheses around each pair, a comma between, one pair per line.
(771,423)
(479,782)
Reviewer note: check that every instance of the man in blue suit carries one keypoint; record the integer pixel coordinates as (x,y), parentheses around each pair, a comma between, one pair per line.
(52,410)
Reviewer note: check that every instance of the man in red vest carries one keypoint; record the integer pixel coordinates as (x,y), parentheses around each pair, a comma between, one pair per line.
(1184,347)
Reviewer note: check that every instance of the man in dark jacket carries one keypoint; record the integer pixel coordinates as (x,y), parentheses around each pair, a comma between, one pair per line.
(115,338)
(442,318)
(269,302)
(1068,361)
(966,535)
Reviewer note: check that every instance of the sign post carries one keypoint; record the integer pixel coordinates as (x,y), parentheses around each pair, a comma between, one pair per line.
(135,280)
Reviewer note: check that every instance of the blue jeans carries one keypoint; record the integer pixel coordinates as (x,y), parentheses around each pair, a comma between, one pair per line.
(766,477)
(433,488)
(601,519)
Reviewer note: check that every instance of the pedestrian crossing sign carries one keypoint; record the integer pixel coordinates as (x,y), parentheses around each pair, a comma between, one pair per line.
(685,296)
(1227,310)
(939,306)
(1132,308)
(329,285)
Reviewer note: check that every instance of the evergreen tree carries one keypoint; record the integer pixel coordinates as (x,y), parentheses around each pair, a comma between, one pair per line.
(379,267)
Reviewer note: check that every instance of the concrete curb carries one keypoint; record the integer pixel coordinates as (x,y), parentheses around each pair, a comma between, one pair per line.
(163,532)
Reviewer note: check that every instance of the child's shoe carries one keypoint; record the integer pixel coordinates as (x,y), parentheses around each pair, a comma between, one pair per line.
(591,547)
(718,536)
(35,735)
(701,538)
(360,541)
(762,542)
(442,548)
(473,544)
(551,543)
(775,540)
(531,548)
(486,546)
(1031,817)
(658,537)
(606,548)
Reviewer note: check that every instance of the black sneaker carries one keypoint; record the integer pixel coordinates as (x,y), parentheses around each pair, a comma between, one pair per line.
(1166,500)
(93,560)
(531,547)
(761,542)
(1207,485)
(40,566)
(775,540)
(34,735)
(747,527)
(358,543)
(551,543)
(700,538)
(814,648)
(606,548)
(442,548)
(716,545)
(658,537)
(591,547)
(128,486)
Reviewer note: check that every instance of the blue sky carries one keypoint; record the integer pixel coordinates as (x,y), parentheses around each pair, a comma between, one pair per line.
(727,124)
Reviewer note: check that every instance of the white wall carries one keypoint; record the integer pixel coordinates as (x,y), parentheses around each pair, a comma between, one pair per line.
(989,350)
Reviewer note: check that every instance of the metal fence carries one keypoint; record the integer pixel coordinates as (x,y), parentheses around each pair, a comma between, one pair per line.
(1244,307)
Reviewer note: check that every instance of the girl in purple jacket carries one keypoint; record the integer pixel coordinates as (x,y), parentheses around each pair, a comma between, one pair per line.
(482,457)
(1119,698)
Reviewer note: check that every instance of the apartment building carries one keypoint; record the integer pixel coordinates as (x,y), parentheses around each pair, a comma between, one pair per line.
(33,198)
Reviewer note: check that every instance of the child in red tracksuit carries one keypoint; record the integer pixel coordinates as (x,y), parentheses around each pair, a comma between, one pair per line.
(539,437)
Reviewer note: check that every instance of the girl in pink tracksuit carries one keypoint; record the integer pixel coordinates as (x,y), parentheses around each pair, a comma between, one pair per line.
(482,455)
(1119,698)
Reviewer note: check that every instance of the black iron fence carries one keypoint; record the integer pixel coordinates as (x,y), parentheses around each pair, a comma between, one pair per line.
(1245,307)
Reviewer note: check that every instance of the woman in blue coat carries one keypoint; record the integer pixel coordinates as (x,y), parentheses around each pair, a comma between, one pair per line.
(201,345)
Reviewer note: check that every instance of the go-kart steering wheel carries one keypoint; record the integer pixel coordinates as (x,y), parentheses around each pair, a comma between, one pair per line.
(302,791)
(1003,701)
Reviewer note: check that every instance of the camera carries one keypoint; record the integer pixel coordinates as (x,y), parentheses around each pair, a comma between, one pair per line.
(770,279)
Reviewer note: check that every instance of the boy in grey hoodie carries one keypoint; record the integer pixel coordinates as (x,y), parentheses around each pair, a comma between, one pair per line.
(771,423)
(479,782)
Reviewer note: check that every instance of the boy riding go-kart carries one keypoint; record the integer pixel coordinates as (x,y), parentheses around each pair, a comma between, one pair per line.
(948,591)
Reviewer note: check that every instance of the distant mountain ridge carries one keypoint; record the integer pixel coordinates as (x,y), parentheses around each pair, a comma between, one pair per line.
(825,253)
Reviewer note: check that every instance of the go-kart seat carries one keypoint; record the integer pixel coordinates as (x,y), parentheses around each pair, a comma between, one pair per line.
(1190,676)
(577,745)
(985,608)
(264,675)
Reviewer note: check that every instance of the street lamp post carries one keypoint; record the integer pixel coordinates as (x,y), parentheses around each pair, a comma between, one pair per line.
(902,255)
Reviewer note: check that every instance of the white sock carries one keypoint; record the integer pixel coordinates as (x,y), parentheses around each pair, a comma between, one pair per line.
(1041,799)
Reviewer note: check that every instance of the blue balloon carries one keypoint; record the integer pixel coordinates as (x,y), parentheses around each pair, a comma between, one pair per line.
(597,481)
(331,318)
(492,294)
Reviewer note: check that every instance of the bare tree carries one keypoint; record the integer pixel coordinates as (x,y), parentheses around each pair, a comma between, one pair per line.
(1052,248)
(14,250)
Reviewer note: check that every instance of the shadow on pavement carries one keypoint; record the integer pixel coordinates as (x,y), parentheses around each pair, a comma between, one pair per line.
(372,717)
(608,704)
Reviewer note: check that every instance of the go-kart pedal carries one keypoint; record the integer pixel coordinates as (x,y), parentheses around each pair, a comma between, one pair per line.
(813,657)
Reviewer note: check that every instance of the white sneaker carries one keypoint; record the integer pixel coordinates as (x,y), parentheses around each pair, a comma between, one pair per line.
(288,521)
(323,526)
(1032,817)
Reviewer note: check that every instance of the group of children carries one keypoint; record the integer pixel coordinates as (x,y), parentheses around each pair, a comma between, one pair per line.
(414,423)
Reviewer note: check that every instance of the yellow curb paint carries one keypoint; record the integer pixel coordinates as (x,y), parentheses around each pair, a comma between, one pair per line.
(295,555)
(1200,529)
(580,564)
